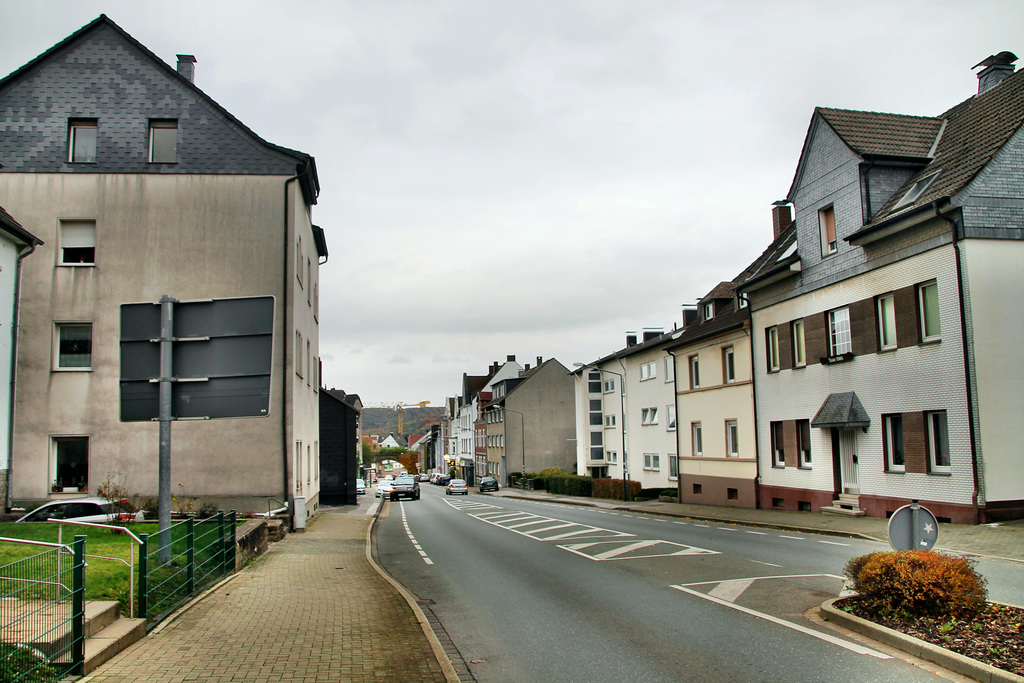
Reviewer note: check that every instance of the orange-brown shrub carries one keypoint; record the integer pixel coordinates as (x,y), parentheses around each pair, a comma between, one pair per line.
(917,583)
(612,488)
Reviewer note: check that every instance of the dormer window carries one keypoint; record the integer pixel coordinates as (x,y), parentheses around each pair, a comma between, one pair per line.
(915,191)
(827,226)
(709,311)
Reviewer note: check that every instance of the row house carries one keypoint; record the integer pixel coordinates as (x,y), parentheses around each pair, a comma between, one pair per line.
(530,422)
(626,413)
(139,184)
(886,335)
(16,244)
(468,426)
(341,438)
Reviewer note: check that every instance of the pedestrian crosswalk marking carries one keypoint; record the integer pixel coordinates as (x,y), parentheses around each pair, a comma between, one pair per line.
(633,550)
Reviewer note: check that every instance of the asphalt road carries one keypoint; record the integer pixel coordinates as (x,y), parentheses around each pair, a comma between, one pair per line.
(532,591)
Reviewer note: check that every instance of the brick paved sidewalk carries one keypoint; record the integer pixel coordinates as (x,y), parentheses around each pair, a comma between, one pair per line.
(312,609)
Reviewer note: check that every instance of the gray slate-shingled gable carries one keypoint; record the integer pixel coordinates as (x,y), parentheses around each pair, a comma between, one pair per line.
(101,72)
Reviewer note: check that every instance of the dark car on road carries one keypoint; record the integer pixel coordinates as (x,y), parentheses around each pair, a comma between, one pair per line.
(406,486)
(488,484)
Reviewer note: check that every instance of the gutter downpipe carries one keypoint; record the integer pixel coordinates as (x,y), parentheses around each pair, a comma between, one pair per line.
(286,378)
(753,398)
(967,365)
(15,329)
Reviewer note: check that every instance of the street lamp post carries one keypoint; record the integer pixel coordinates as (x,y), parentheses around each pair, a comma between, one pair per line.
(622,410)
(522,439)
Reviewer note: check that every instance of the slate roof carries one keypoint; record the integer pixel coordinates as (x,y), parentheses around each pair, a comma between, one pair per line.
(30,119)
(774,262)
(841,410)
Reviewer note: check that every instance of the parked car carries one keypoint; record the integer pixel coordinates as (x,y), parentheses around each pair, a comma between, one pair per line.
(98,510)
(360,486)
(406,486)
(443,480)
(424,477)
(384,488)
(488,484)
(457,486)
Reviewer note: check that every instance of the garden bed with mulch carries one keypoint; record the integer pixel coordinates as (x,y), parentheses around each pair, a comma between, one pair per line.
(994,636)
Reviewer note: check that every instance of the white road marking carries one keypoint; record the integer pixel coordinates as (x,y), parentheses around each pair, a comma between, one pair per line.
(756,533)
(847,545)
(794,538)
(408,532)
(724,528)
(632,550)
(730,590)
(853,647)
(766,563)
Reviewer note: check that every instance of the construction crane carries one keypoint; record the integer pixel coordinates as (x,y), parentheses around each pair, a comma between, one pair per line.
(399,407)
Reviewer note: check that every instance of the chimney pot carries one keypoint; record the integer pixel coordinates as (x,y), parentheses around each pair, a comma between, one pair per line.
(540,360)
(997,68)
(187,67)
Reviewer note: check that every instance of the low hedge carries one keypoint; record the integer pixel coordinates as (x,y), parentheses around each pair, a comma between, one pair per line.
(570,485)
(612,488)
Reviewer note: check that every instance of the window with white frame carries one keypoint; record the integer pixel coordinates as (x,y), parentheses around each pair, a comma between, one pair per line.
(609,420)
(670,368)
(709,310)
(609,386)
(697,438)
(298,260)
(799,348)
(670,425)
(772,348)
(647,371)
(694,372)
(803,442)
(928,303)
(309,363)
(298,353)
(892,444)
(839,339)
(652,461)
(649,416)
(73,346)
(673,466)
(594,382)
(938,441)
(827,226)
(886,312)
(70,462)
(732,438)
(778,444)
(729,365)
(163,141)
(82,136)
(613,456)
(77,243)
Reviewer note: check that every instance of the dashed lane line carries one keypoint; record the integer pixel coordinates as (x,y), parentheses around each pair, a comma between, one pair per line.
(408,532)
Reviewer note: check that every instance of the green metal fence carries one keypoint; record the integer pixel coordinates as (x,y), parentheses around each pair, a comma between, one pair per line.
(42,614)
(186,559)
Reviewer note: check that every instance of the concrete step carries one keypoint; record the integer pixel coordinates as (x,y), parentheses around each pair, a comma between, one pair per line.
(839,510)
(100,614)
(111,640)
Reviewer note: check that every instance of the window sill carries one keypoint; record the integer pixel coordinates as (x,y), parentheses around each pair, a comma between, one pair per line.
(799,367)
(76,265)
(778,467)
(89,369)
(806,468)
(930,342)
(895,471)
(162,163)
(941,473)
(888,349)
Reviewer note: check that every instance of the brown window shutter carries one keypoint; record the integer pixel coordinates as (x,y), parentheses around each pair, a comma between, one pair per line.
(907,333)
(916,455)
(789,443)
(815,341)
(863,327)
(786,347)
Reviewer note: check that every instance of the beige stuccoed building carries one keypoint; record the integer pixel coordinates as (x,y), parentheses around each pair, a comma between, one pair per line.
(141,185)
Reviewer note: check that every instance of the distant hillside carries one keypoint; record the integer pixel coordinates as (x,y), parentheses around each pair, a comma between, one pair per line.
(385,420)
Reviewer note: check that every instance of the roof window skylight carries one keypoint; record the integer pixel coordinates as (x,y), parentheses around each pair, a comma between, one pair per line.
(916,190)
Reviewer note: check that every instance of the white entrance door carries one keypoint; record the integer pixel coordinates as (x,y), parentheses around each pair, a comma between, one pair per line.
(848,460)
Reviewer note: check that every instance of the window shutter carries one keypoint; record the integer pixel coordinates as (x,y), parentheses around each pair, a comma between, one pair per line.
(785,347)
(815,341)
(789,443)
(907,333)
(863,327)
(914,442)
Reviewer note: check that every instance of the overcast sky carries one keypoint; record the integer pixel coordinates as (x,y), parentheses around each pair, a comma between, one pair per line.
(537,177)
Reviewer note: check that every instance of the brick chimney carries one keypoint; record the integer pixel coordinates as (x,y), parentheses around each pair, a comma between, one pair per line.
(997,67)
(782,217)
(652,333)
(630,339)
(187,67)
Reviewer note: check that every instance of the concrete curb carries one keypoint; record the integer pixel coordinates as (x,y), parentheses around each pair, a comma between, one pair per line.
(965,666)
(442,659)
